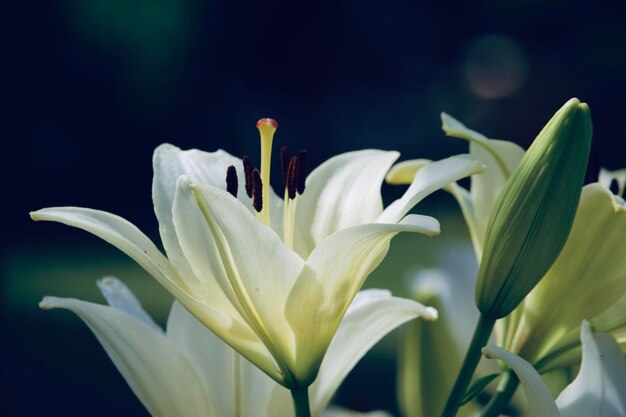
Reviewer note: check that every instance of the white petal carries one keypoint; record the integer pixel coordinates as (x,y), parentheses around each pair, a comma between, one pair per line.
(156,370)
(599,390)
(169,163)
(334,273)
(428,180)
(606,177)
(343,191)
(372,315)
(200,249)
(403,172)
(538,397)
(260,268)
(120,297)
(121,234)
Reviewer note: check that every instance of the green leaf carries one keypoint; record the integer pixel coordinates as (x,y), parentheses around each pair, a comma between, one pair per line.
(477,387)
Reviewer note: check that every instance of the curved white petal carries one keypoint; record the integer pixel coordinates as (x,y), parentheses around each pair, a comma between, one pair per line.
(120,233)
(372,315)
(427,180)
(334,273)
(599,390)
(343,191)
(403,172)
(539,400)
(200,248)
(153,366)
(120,297)
(261,270)
(504,154)
(169,163)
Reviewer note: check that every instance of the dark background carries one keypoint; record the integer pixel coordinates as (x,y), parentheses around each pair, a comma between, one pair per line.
(91,87)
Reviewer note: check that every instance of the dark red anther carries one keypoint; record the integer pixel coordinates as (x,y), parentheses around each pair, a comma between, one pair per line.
(284,164)
(257,190)
(231,181)
(247,170)
(303,155)
(292,177)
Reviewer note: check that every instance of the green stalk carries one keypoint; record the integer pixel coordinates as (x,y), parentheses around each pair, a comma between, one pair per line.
(502,397)
(481,336)
(301,402)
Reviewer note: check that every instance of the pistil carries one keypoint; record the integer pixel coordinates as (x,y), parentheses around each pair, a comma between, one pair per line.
(267,128)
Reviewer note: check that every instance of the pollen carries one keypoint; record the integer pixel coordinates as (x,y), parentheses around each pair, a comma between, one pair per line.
(257,191)
(292,177)
(231,181)
(247,170)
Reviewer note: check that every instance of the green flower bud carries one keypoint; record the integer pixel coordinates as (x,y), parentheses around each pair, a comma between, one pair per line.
(534,213)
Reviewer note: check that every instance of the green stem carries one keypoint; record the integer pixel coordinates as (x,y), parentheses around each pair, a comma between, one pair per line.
(301,402)
(502,397)
(472,357)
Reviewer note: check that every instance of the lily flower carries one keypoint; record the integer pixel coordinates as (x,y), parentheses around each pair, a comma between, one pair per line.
(599,390)
(271,278)
(588,278)
(188,371)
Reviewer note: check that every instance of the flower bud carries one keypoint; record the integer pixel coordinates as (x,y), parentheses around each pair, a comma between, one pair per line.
(533,215)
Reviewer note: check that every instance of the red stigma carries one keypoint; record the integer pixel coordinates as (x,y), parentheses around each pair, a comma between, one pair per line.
(267,120)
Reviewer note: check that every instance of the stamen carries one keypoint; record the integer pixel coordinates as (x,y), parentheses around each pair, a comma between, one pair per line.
(257,191)
(231,181)
(247,170)
(292,177)
(284,164)
(302,156)
(614,186)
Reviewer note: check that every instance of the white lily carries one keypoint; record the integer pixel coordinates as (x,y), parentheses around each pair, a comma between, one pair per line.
(187,371)
(274,285)
(599,390)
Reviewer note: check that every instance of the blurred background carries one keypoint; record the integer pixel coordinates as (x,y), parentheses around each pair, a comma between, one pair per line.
(93,86)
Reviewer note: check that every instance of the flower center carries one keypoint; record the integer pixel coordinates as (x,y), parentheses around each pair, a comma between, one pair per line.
(257,182)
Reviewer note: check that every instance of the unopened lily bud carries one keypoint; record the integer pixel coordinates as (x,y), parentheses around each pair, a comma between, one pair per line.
(533,215)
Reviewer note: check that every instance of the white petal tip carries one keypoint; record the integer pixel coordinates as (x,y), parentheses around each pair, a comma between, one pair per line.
(108,282)
(488,352)
(183,181)
(430,314)
(48,303)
